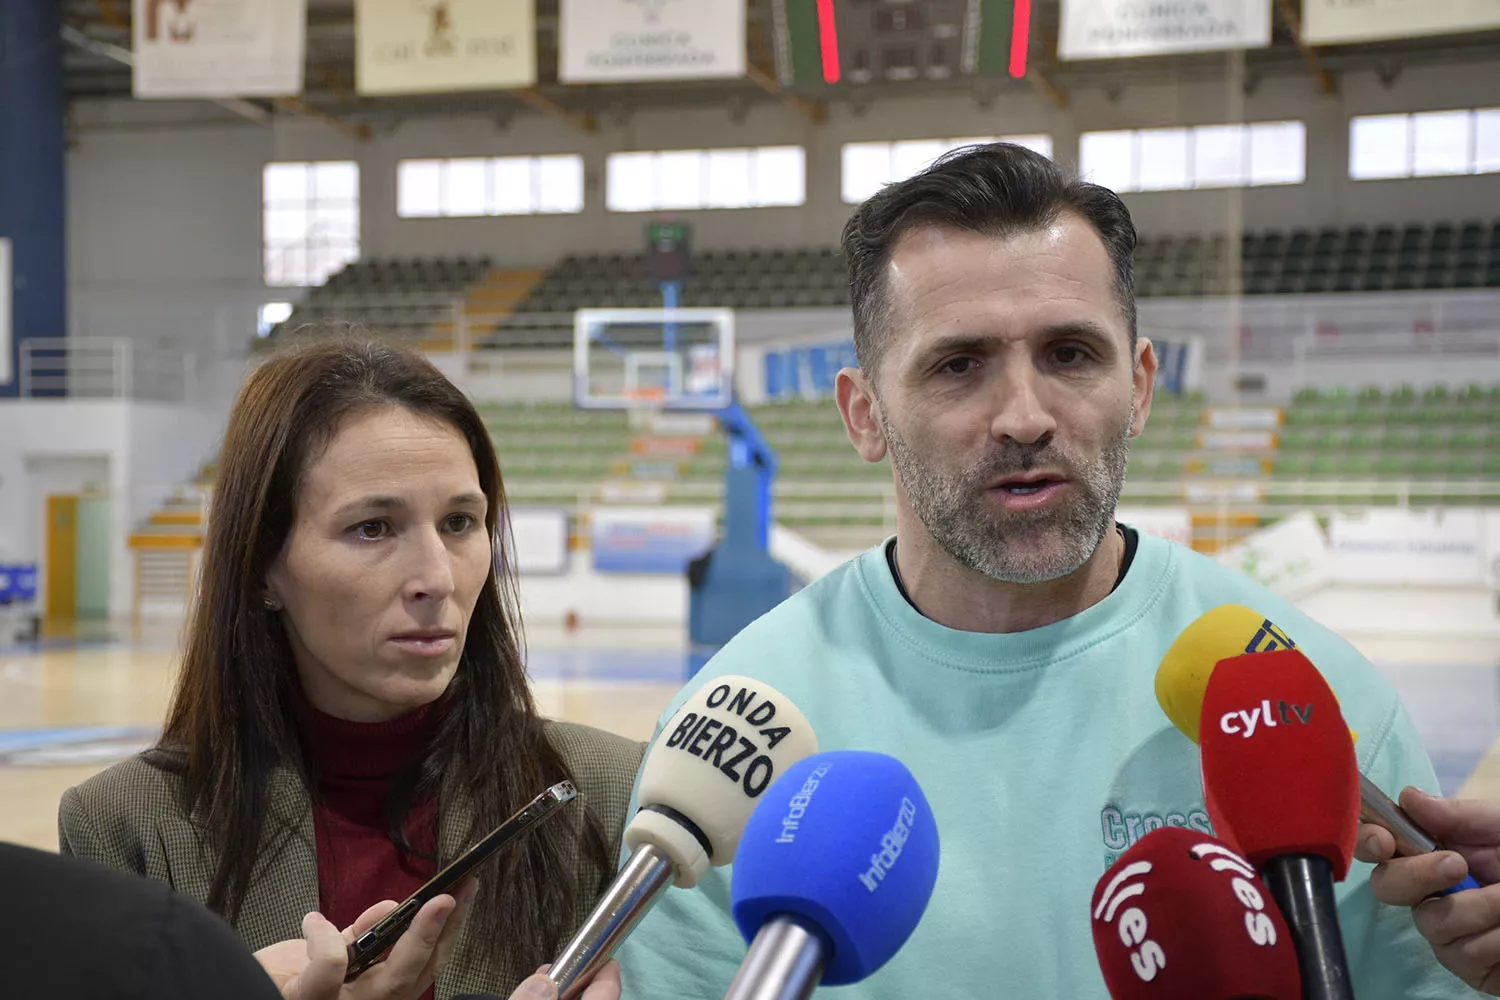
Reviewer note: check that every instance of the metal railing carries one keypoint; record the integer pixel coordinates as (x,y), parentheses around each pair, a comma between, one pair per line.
(1222,512)
(104,368)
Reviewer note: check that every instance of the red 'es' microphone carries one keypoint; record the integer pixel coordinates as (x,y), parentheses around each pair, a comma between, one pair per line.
(1282,783)
(1182,917)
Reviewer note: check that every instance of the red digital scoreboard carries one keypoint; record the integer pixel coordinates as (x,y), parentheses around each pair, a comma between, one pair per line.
(865,41)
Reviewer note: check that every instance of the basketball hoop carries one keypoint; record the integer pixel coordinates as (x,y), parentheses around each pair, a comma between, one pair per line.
(643,403)
(653,360)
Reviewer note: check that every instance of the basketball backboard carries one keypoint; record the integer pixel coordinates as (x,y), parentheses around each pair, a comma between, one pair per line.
(670,359)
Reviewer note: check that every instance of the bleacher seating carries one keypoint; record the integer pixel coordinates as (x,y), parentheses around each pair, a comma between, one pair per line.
(402,298)
(411,297)
(1338,448)
(1401,440)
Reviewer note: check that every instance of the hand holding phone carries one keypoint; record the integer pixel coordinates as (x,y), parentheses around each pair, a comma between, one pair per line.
(369,946)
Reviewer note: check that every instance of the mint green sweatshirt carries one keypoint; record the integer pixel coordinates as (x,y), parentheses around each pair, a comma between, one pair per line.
(1044,756)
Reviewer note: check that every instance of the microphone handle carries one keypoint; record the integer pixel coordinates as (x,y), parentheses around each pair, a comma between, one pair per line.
(1302,885)
(785,962)
(1411,840)
(647,874)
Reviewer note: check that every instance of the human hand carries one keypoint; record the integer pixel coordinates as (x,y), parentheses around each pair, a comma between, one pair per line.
(1463,928)
(313,967)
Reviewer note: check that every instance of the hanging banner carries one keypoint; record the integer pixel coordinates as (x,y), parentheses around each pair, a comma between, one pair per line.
(5,332)
(606,41)
(1110,29)
(433,46)
(218,48)
(1333,22)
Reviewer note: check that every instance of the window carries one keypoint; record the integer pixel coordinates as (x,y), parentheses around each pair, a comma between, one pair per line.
(1427,144)
(270,314)
(309,220)
(1204,156)
(869,166)
(762,177)
(474,186)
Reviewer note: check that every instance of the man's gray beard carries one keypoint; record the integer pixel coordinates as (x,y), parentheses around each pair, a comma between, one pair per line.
(974,531)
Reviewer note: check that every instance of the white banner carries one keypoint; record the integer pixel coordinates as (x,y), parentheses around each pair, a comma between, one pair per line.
(432,46)
(218,48)
(1244,418)
(1331,22)
(1492,548)
(539,540)
(1387,546)
(613,40)
(1109,29)
(1290,557)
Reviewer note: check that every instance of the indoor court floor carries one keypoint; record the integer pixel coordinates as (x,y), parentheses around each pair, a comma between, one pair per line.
(71,706)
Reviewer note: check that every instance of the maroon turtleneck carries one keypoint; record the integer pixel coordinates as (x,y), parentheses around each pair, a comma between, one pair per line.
(356,763)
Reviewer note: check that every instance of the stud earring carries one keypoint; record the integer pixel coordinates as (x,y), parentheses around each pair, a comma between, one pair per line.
(271,604)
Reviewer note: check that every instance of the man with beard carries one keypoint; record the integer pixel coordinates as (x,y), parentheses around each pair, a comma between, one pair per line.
(1004,644)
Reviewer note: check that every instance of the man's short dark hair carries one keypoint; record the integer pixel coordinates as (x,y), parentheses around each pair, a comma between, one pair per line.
(997,189)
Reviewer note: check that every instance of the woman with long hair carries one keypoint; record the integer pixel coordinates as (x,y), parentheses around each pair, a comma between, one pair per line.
(352,708)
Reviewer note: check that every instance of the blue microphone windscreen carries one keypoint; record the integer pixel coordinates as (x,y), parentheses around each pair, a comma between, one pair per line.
(847,841)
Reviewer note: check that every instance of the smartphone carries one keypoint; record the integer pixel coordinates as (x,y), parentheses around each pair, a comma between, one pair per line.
(375,942)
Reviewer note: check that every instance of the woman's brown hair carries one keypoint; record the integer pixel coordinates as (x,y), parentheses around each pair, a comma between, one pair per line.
(233,716)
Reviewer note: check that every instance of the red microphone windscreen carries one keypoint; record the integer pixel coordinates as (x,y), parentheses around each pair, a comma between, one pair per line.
(1278,766)
(1182,917)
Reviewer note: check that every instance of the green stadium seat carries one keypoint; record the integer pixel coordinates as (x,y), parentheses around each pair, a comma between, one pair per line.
(1463,467)
(1298,439)
(1363,441)
(1370,395)
(1467,441)
(1403,395)
(1431,439)
(1189,417)
(1393,467)
(1303,417)
(1427,466)
(1399,437)
(1183,441)
(1430,414)
(1328,442)
(1292,467)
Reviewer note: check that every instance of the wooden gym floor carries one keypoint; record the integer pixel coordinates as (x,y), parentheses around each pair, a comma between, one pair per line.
(70,707)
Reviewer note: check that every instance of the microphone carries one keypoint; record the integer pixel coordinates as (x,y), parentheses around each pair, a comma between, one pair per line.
(1284,785)
(1181,916)
(1233,630)
(702,777)
(835,871)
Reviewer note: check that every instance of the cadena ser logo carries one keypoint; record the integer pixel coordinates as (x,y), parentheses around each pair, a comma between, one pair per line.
(1258,924)
(1269,638)
(1146,956)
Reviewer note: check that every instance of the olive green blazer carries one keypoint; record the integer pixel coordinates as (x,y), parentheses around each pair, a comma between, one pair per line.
(131,817)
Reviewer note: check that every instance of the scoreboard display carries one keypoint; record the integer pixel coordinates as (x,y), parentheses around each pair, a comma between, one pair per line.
(867,41)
